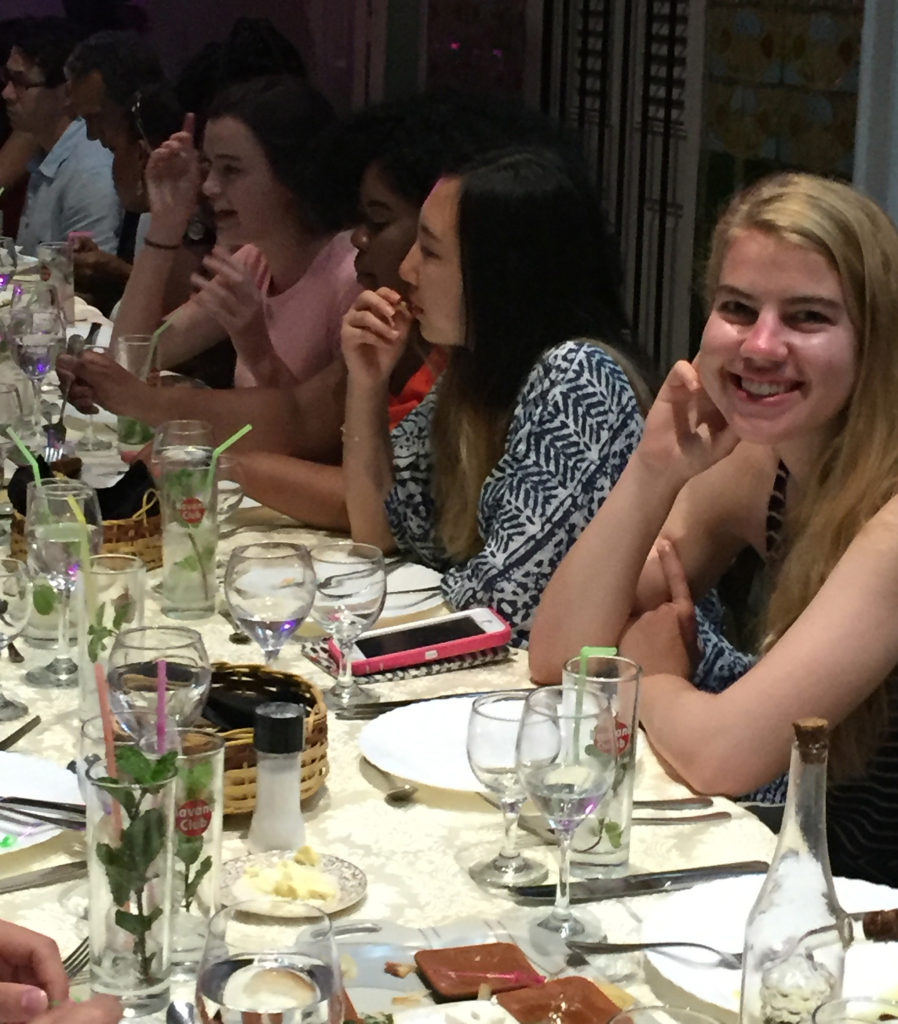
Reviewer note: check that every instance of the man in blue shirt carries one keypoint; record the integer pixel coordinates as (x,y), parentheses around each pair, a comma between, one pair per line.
(70,187)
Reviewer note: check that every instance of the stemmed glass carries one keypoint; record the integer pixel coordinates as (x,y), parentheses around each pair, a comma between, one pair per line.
(37,335)
(63,528)
(492,735)
(141,657)
(15,605)
(564,769)
(270,588)
(90,441)
(10,418)
(270,959)
(352,585)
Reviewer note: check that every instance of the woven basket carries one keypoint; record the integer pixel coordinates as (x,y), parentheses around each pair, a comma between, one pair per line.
(240,756)
(140,535)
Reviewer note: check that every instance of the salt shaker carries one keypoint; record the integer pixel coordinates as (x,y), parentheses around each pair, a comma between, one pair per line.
(278,736)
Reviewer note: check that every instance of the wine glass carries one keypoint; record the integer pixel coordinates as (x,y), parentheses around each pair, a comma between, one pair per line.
(63,528)
(352,585)
(564,769)
(139,657)
(11,417)
(270,588)
(270,959)
(36,336)
(90,441)
(492,735)
(15,606)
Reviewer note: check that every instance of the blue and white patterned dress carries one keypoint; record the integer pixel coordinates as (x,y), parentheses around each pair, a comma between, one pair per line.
(574,427)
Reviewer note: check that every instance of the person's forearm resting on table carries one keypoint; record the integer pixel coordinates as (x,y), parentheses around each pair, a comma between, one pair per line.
(368,464)
(573,612)
(307,491)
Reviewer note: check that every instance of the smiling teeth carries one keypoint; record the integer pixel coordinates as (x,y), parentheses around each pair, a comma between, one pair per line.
(762,388)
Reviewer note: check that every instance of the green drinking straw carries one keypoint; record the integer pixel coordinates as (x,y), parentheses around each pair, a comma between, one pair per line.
(154,340)
(32,461)
(585,654)
(233,439)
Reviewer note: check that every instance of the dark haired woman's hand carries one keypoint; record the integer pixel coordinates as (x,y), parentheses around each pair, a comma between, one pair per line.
(233,300)
(31,973)
(685,433)
(173,182)
(374,333)
(99,380)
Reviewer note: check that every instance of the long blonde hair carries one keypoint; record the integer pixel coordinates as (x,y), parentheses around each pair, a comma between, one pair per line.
(857,472)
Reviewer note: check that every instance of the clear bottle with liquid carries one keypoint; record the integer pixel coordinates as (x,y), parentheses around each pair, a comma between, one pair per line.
(279,738)
(780,986)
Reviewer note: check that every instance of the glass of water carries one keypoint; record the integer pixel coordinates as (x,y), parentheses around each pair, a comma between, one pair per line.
(492,734)
(270,588)
(36,335)
(270,959)
(15,604)
(141,657)
(566,765)
(352,586)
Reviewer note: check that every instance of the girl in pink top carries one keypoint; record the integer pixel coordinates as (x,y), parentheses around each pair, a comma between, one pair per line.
(280,296)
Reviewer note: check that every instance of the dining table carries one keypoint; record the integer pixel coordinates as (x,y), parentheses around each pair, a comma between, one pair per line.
(415,855)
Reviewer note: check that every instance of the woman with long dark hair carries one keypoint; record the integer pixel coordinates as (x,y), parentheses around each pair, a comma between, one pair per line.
(494,474)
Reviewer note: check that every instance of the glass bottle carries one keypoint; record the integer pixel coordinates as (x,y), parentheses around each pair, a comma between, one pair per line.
(278,737)
(797,895)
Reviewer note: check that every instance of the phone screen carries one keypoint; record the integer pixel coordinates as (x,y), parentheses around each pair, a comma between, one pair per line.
(428,635)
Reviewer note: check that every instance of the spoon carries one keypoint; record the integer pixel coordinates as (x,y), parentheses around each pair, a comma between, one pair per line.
(399,792)
(732,961)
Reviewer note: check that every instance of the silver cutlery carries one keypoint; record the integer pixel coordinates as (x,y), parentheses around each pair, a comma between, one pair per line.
(25,803)
(77,960)
(44,876)
(371,709)
(733,961)
(399,792)
(390,566)
(588,889)
(682,819)
(16,735)
(17,816)
(56,432)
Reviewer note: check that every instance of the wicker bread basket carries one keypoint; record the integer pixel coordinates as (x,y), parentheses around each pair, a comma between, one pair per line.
(140,535)
(240,756)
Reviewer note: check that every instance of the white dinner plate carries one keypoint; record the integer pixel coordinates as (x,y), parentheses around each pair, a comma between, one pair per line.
(716,913)
(29,776)
(425,743)
(411,577)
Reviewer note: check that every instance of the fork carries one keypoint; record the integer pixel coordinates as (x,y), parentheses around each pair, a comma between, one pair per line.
(77,960)
(56,432)
(732,961)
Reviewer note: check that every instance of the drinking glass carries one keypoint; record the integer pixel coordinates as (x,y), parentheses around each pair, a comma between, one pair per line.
(268,959)
(270,588)
(15,605)
(57,269)
(135,352)
(492,735)
(856,1010)
(187,436)
(352,585)
(564,769)
(119,583)
(11,417)
(141,657)
(36,336)
(63,528)
(90,441)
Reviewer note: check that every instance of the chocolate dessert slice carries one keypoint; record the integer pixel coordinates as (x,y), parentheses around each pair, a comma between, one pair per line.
(565,1000)
(458,972)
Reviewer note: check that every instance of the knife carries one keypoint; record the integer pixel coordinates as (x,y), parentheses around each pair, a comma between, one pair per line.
(46,876)
(23,730)
(589,889)
(375,708)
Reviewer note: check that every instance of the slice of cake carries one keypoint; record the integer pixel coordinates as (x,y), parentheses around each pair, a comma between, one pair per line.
(458,972)
(565,1000)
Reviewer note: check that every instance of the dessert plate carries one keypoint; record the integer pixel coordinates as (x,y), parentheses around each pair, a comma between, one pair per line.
(695,915)
(350,882)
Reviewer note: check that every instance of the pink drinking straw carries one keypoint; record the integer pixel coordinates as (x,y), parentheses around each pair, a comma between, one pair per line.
(108,736)
(161,683)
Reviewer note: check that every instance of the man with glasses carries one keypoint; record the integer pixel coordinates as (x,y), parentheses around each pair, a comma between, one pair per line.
(70,186)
